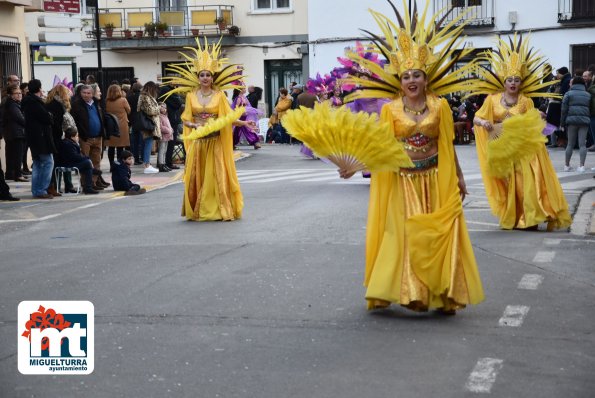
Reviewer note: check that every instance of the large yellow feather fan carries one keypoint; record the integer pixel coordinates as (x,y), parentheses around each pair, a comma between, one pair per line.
(518,137)
(352,141)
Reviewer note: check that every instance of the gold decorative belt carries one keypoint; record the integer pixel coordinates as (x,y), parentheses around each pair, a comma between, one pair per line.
(202,118)
(421,165)
(212,135)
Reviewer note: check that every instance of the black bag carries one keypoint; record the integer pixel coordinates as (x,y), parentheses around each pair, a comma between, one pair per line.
(112,127)
(143,122)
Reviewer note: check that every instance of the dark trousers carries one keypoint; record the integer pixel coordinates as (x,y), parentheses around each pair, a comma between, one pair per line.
(113,151)
(4,188)
(136,144)
(25,150)
(14,157)
(86,169)
(169,153)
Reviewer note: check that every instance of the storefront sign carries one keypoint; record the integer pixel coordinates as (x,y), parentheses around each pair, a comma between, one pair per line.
(67,6)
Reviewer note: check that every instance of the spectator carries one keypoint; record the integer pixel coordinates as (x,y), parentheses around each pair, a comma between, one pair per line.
(26,171)
(136,138)
(296,90)
(69,155)
(166,137)
(564,76)
(14,133)
(147,104)
(38,130)
(576,119)
(281,108)
(174,105)
(588,78)
(117,105)
(58,103)
(254,95)
(90,79)
(121,175)
(88,115)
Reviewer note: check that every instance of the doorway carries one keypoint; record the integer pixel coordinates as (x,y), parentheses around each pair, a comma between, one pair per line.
(279,73)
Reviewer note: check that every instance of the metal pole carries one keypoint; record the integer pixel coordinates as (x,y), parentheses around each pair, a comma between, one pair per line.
(98,42)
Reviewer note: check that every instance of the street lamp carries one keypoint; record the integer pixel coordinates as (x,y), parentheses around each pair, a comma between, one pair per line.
(98,42)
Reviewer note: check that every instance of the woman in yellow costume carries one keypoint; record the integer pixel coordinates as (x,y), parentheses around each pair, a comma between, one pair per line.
(520,182)
(418,252)
(211,187)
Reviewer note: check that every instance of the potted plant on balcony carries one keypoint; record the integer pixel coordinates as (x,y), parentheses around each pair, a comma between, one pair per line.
(109,29)
(220,21)
(139,34)
(150,29)
(127,33)
(161,27)
(195,32)
(233,30)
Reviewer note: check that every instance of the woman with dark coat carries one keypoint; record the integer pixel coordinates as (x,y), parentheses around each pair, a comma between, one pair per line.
(38,129)
(576,120)
(14,134)
(58,103)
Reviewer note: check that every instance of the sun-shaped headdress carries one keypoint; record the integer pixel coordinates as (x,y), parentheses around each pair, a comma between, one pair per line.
(513,59)
(412,44)
(208,57)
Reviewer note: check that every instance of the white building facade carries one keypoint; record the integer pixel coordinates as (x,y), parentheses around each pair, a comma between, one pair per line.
(562,30)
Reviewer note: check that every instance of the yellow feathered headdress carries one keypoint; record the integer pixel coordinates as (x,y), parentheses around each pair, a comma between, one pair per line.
(412,45)
(207,57)
(513,59)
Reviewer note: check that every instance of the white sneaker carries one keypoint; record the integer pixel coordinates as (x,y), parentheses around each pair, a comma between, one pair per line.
(567,168)
(150,170)
(580,169)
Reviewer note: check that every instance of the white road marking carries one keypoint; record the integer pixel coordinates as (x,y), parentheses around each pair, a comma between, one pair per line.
(551,242)
(483,376)
(329,174)
(32,219)
(88,206)
(544,257)
(514,315)
(530,281)
(491,224)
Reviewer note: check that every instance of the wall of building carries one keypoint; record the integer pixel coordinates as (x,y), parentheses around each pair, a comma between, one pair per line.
(12,25)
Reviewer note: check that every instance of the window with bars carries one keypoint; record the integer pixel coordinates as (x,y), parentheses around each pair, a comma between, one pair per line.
(10,59)
(479,13)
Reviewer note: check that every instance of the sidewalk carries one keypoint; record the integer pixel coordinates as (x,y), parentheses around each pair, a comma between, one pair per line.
(150,182)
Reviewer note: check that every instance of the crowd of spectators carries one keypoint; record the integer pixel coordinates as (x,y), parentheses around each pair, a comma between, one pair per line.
(70,130)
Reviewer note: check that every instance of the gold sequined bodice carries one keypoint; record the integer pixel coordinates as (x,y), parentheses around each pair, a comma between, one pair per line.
(405,127)
(202,112)
(501,112)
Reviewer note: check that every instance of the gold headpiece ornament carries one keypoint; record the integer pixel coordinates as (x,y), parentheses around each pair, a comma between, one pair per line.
(412,45)
(513,59)
(225,76)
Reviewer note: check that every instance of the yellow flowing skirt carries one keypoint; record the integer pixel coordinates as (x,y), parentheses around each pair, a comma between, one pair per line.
(424,257)
(207,193)
(531,195)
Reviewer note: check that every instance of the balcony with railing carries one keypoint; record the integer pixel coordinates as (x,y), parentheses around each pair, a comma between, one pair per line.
(480,13)
(576,11)
(119,26)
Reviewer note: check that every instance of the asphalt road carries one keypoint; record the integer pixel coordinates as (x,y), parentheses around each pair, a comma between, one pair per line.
(273,305)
